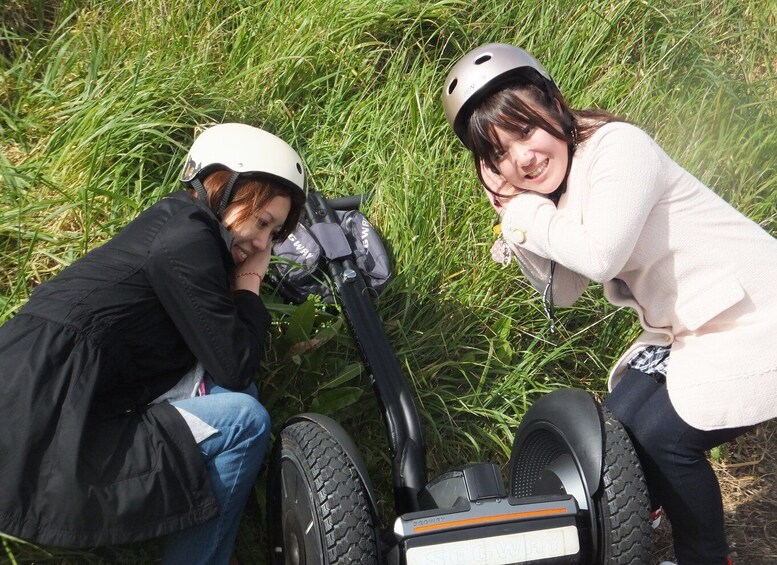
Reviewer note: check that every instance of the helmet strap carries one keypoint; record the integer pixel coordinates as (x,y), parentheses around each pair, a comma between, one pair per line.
(201,192)
(227,193)
(549,84)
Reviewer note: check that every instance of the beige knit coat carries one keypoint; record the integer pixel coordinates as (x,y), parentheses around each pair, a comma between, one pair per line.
(700,275)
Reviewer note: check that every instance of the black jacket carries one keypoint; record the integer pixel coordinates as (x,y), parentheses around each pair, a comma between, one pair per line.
(84,460)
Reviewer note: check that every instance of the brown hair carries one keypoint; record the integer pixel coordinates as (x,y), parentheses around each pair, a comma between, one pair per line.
(250,195)
(529,101)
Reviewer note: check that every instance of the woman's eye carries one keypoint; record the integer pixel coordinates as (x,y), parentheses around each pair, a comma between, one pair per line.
(527,130)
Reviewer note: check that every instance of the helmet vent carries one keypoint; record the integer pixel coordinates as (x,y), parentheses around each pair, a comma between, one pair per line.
(482,59)
(452,85)
(299,168)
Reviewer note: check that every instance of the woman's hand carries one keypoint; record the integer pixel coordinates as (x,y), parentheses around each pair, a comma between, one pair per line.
(495,182)
(250,273)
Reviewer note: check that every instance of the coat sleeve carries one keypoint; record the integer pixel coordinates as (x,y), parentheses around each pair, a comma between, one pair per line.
(622,186)
(224,330)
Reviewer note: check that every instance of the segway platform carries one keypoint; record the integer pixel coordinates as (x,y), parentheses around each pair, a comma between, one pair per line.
(480,523)
(575,495)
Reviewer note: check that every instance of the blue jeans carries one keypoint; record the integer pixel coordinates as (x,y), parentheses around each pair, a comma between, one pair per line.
(678,475)
(233,457)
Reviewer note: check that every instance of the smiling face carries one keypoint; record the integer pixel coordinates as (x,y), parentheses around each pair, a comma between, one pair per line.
(530,159)
(524,134)
(259,212)
(257,232)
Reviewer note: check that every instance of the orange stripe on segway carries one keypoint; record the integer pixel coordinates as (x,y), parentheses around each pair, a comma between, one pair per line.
(485,519)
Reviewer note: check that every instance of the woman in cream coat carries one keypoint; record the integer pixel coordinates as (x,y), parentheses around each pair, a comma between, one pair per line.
(585,196)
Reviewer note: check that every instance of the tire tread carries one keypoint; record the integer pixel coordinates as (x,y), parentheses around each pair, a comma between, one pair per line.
(625,504)
(346,521)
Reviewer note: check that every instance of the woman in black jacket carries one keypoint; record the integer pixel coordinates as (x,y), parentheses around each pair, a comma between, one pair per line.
(128,409)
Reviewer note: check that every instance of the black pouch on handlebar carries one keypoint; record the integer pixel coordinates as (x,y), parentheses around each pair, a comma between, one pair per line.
(300,270)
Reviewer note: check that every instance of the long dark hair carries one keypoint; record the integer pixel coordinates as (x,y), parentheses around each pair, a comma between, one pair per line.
(529,100)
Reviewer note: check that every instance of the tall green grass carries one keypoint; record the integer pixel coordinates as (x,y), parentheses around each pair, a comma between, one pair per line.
(99,100)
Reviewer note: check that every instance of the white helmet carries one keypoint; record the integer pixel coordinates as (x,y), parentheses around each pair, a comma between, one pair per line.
(478,74)
(244,149)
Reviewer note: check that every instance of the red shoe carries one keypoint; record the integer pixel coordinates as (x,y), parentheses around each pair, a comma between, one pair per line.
(655,517)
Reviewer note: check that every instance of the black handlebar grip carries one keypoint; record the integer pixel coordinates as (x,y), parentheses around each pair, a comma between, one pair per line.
(352,202)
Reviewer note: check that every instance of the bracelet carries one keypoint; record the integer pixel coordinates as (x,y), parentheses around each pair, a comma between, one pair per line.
(261,277)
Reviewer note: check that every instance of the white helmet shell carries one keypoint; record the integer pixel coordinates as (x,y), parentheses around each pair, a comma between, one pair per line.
(244,149)
(476,74)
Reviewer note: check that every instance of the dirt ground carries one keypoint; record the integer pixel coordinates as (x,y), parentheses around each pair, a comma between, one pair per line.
(747,471)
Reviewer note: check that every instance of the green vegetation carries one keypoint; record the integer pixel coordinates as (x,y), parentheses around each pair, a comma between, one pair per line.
(99,100)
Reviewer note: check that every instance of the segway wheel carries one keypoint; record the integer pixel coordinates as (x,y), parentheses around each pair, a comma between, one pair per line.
(622,503)
(318,507)
(617,513)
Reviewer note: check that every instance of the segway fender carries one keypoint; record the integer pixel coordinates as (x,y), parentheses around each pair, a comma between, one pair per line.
(342,437)
(575,416)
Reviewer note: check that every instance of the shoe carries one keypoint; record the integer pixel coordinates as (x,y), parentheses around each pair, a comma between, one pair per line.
(655,521)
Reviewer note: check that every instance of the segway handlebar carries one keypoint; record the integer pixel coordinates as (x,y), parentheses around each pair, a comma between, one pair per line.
(405,434)
(352,202)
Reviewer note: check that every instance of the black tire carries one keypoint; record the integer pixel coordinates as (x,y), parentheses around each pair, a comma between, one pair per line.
(318,508)
(617,517)
(622,501)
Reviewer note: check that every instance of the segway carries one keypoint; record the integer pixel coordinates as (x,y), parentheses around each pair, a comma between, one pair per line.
(575,492)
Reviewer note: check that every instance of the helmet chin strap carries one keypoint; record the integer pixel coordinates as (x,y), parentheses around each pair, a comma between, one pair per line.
(202,194)
(227,193)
